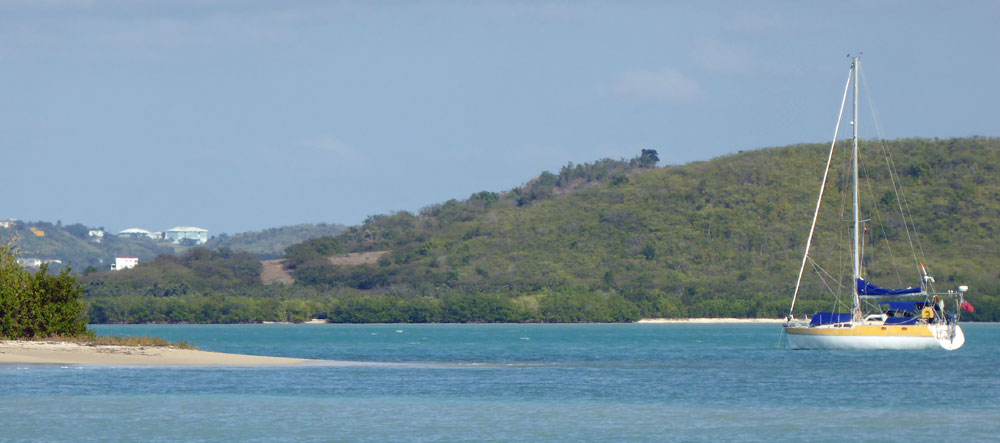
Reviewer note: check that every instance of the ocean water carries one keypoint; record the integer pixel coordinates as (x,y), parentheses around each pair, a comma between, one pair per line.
(631,382)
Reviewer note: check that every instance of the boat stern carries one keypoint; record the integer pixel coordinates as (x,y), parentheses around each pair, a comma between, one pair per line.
(949,338)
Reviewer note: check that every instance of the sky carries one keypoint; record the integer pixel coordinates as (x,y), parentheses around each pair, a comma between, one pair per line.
(244,115)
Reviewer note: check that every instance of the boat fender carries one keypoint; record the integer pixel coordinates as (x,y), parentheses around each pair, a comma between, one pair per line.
(927,313)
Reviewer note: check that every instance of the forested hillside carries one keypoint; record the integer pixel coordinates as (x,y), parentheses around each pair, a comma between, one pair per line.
(620,240)
(271,243)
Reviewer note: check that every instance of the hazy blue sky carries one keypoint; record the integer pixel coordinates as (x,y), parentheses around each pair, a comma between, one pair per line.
(244,115)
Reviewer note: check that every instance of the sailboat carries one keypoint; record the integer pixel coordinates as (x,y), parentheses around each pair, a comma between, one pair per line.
(916,317)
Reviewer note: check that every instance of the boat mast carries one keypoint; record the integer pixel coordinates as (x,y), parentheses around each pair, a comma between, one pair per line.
(855,66)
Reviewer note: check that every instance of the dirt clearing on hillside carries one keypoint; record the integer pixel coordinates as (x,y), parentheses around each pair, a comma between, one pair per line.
(357,258)
(274,271)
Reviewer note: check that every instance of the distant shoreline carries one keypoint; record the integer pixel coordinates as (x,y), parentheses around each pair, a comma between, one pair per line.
(317,321)
(700,320)
(710,320)
(312,321)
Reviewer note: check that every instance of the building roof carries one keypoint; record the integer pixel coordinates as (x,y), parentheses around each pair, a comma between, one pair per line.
(127,256)
(186,229)
(134,231)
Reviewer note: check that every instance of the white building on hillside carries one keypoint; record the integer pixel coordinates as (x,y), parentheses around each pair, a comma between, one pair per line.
(135,233)
(124,262)
(30,262)
(96,235)
(181,233)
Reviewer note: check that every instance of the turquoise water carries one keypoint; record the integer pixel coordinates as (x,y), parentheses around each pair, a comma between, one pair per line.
(653,382)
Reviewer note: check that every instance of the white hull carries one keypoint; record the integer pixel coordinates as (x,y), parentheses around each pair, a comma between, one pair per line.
(955,342)
(861,342)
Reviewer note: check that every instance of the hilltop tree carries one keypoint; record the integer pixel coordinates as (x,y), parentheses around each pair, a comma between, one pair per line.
(649,158)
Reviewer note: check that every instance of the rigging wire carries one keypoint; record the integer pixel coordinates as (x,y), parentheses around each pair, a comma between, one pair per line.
(881,223)
(901,202)
(821,272)
(845,254)
(822,187)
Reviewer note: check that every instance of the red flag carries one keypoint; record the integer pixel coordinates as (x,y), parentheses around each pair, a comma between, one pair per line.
(968,306)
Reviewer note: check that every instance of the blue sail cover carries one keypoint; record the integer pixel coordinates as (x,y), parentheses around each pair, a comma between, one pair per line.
(865,288)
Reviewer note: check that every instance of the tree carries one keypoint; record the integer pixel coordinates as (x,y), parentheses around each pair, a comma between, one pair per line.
(648,158)
(485,198)
(77,230)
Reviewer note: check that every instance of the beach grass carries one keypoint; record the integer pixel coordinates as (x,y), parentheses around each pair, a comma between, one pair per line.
(113,340)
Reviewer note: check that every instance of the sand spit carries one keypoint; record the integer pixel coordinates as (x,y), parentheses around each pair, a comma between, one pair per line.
(53,352)
(711,320)
(312,321)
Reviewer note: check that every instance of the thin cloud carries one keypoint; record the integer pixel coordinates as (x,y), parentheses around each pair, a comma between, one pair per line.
(666,84)
(336,148)
(714,55)
(758,22)
(534,10)
(107,30)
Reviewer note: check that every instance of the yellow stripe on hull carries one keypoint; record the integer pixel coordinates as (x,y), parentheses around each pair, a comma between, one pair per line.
(937,336)
(876,330)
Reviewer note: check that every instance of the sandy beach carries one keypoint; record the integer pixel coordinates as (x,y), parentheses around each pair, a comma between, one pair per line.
(314,321)
(711,320)
(53,352)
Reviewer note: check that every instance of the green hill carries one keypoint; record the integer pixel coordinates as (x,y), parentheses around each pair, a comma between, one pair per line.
(63,245)
(271,243)
(619,240)
(71,245)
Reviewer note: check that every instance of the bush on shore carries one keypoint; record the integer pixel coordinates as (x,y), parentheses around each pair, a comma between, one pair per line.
(38,305)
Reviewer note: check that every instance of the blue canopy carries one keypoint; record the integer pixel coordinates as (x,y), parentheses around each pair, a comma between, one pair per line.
(865,288)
